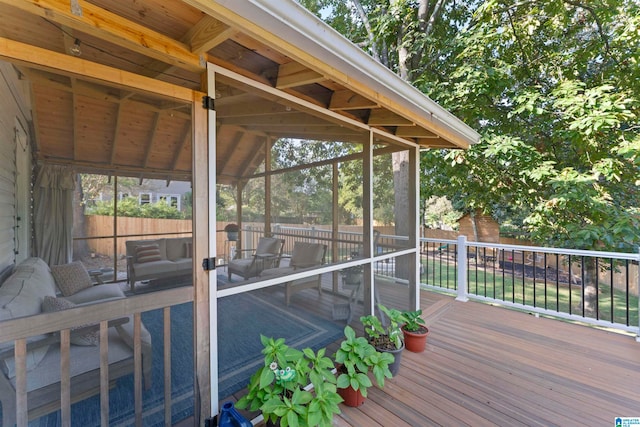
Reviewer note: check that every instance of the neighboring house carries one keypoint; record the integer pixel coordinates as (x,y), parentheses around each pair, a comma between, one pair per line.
(123,93)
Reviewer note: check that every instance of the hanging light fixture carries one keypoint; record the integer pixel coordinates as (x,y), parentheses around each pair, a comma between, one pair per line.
(75,49)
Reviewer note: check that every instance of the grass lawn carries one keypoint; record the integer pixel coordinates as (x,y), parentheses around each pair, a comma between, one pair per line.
(504,285)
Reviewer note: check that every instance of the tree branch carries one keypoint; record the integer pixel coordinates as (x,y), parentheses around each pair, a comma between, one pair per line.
(375,52)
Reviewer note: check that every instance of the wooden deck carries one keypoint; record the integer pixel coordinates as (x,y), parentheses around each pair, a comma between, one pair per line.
(487,365)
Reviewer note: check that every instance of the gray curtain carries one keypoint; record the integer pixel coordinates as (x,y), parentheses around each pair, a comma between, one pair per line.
(53,214)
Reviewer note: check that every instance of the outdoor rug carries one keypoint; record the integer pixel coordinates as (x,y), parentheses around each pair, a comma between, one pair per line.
(86,413)
(242,318)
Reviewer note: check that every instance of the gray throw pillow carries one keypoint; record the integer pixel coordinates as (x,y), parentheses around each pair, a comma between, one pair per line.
(71,278)
(51,304)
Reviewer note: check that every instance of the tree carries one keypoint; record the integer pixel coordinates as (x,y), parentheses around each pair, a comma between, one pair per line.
(552,87)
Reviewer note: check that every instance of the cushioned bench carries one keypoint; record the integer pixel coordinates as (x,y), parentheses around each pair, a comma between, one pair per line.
(158,258)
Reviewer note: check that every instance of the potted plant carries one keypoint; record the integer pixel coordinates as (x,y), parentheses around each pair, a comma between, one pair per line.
(387,338)
(280,387)
(356,357)
(414,330)
(232,232)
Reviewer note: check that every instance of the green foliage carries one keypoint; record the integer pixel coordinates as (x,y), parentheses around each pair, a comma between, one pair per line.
(130,207)
(277,388)
(358,358)
(412,320)
(387,337)
(552,87)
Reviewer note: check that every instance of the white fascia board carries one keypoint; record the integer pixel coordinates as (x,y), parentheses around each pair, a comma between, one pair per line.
(290,21)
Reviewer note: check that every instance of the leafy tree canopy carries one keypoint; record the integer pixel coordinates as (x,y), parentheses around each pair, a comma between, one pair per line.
(552,87)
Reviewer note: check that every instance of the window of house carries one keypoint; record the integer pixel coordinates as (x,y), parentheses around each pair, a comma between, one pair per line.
(171,199)
(144,198)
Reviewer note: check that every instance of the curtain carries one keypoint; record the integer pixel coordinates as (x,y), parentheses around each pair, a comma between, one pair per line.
(53,214)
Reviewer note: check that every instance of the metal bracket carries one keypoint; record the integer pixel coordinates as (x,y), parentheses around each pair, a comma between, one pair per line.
(208,103)
(209,264)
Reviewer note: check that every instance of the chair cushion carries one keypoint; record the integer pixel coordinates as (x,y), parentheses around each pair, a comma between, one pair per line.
(148,253)
(52,304)
(71,278)
(307,255)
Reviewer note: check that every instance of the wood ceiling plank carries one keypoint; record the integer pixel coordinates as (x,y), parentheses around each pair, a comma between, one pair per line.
(115,29)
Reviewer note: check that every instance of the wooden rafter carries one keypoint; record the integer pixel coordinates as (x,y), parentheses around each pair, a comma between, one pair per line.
(116,131)
(115,29)
(151,138)
(293,74)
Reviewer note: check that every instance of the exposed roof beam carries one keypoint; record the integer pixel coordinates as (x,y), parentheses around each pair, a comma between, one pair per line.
(186,139)
(154,131)
(285,120)
(115,29)
(116,132)
(207,34)
(293,74)
(414,132)
(36,57)
(379,117)
(349,100)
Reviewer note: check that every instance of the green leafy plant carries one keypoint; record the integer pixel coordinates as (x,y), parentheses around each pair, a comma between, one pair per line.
(387,337)
(413,322)
(280,388)
(358,357)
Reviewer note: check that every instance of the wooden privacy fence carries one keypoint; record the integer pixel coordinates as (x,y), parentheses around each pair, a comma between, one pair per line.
(99,231)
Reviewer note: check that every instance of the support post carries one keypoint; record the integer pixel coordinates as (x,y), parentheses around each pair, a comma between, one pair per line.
(462,269)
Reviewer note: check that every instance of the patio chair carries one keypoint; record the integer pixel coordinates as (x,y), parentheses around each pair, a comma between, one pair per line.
(305,255)
(266,255)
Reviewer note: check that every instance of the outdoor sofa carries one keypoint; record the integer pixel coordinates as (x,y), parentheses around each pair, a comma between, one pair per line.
(32,290)
(158,259)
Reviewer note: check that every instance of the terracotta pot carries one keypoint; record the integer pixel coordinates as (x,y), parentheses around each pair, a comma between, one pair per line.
(415,341)
(351,397)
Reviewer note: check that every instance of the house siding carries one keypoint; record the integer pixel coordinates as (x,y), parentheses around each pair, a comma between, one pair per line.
(14,119)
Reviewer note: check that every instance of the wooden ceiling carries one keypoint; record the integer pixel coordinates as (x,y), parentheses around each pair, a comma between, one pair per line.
(105,128)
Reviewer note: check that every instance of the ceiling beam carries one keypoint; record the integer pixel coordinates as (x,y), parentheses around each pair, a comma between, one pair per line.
(186,139)
(43,59)
(115,29)
(414,132)
(207,34)
(284,119)
(293,74)
(116,132)
(150,139)
(349,100)
(380,117)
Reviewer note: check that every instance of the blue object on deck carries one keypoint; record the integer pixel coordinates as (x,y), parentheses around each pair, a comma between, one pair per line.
(230,417)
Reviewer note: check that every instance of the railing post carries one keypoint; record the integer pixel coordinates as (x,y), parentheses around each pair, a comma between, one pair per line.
(638,292)
(462,269)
